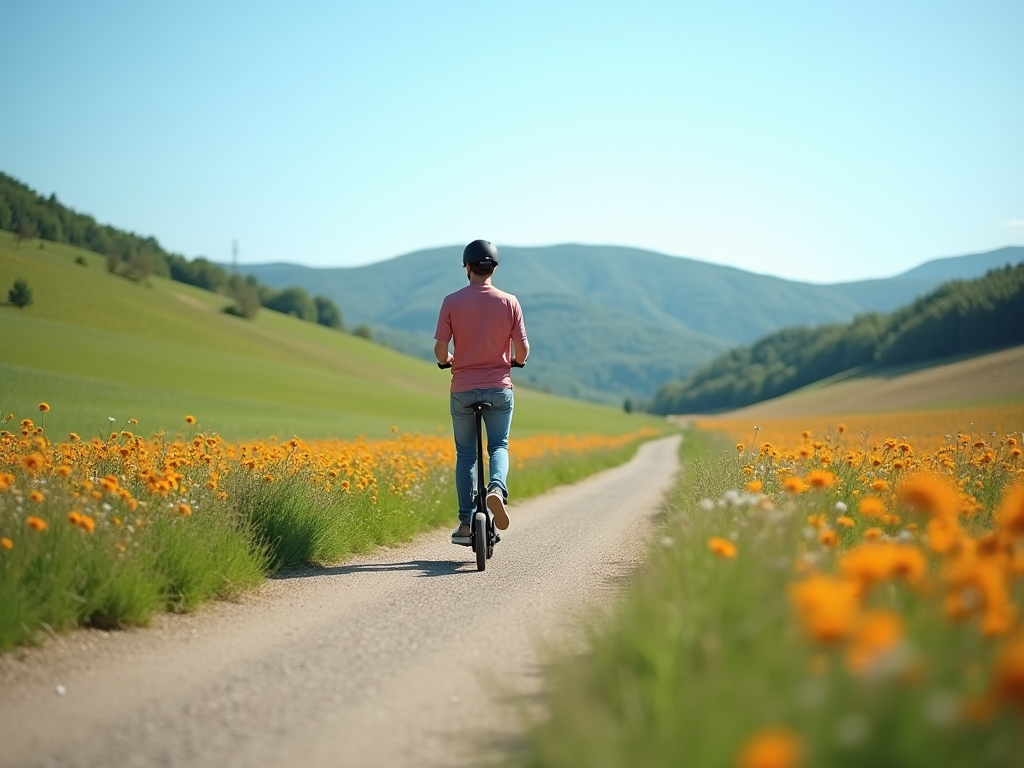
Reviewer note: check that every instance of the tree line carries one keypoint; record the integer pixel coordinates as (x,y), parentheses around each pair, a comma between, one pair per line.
(30,215)
(961,316)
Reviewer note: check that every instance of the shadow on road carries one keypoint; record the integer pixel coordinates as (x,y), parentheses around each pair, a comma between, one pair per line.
(421,567)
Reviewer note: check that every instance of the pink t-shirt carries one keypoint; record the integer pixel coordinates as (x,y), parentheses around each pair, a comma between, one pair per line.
(483,321)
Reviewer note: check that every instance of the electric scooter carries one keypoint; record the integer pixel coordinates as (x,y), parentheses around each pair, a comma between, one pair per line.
(483,534)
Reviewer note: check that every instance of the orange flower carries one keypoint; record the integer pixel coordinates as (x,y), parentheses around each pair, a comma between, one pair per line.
(84,522)
(871,506)
(931,493)
(108,483)
(1010,514)
(37,497)
(1008,682)
(820,478)
(755,486)
(722,547)
(6,543)
(43,407)
(845,522)
(771,748)
(827,537)
(184,510)
(36,523)
(64,470)
(877,633)
(6,480)
(878,484)
(794,485)
(873,533)
(827,606)
(190,419)
(943,534)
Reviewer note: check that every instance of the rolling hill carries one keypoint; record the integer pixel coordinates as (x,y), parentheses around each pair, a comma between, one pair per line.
(611,322)
(94,345)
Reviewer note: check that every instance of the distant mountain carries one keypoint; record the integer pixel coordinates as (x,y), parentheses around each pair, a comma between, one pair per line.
(610,322)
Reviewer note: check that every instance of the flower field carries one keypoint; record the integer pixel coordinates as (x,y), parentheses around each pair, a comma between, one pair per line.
(107,530)
(840,593)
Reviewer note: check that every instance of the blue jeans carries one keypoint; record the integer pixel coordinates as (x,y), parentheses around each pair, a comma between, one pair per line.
(497,420)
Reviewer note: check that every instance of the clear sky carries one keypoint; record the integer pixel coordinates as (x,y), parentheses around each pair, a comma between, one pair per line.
(817,140)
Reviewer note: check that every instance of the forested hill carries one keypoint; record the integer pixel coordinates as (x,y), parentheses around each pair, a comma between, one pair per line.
(30,215)
(609,322)
(961,316)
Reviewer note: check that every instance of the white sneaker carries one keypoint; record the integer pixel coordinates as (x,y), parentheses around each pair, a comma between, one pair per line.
(496,506)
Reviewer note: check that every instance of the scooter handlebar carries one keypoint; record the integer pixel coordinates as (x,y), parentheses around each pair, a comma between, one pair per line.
(515,364)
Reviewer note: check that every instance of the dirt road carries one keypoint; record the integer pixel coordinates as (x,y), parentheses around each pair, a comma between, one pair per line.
(406,657)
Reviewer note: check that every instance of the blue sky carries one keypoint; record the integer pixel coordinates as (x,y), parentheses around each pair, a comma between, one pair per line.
(820,141)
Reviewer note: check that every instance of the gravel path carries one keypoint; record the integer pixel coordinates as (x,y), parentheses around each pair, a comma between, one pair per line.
(404,657)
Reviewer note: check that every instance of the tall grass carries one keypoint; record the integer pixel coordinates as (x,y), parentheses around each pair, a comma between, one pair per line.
(707,664)
(106,542)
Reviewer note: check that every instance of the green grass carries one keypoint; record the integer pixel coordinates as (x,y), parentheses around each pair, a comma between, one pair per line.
(94,345)
(706,651)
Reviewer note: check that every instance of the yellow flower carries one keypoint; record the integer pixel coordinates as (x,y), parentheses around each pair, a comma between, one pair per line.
(33,462)
(36,523)
(771,748)
(73,437)
(190,419)
(722,547)
(43,407)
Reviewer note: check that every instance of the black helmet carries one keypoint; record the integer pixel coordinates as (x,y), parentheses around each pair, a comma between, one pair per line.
(480,251)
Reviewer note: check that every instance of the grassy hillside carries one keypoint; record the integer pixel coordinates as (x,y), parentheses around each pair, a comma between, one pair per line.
(995,377)
(613,320)
(960,317)
(94,346)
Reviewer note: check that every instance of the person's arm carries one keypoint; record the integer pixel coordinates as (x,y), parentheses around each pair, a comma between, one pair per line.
(441,352)
(521,350)
(443,331)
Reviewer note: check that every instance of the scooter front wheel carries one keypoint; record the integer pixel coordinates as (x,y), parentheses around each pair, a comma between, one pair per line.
(480,540)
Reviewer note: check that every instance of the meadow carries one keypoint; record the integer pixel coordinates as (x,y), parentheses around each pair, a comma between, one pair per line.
(95,345)
(149,457)
(824,592)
